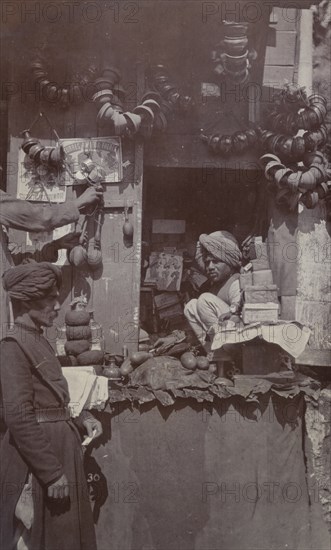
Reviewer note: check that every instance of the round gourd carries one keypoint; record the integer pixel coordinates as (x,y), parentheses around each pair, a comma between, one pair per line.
(126,368)
(139,357)
(78,333)
(76,347)
(202,363)
(189,361)
(76,318)
(93,357)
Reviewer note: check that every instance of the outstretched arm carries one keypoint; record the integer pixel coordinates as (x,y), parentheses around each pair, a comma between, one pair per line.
(26,216)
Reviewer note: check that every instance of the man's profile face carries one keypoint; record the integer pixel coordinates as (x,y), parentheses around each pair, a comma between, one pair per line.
(217,271)
(44,312)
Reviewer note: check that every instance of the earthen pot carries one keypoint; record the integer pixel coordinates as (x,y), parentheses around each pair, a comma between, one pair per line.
(77,255)
(133,122)
(94,256)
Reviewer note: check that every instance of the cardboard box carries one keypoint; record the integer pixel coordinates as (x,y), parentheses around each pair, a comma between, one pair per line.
(260,263)
(261,294)
(245,279)
(260,313)
(263,277)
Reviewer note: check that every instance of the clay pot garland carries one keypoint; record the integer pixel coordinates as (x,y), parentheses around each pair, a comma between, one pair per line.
(309,118)
(307,185)
(173,100)
(52,157)
(293,148)
(232,56)
(109,99)
(237,143)
(63,94)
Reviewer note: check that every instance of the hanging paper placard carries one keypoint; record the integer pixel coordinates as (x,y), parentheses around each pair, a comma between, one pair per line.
(104,156)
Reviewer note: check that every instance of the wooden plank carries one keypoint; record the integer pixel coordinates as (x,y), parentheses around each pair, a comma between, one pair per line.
(284,52)
(315,358)
(276,76)
(285,19)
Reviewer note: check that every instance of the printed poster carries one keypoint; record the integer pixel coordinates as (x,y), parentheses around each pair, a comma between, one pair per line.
(105,152)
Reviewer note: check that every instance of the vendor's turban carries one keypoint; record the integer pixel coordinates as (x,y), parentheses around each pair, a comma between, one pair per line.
(221,245)
(31,281)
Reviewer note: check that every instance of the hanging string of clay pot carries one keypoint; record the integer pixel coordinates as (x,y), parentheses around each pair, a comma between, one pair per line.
(293,148)
(232,56)
(237,143)
(109,99)
(173,99)
(307,184)
(128,229)
(94,254)
(78,255)
(308,118)
(41,155)
(64,94)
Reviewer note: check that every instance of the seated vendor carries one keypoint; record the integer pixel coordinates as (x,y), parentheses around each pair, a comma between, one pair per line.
(220,256)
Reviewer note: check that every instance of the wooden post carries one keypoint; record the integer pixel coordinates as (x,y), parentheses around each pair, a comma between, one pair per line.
(313,298)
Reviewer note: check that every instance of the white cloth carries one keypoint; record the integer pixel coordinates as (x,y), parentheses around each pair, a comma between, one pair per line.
(204,312)
(86,389)
(289,335)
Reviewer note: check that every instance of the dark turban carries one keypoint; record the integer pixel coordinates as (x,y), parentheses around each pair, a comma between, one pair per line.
(220,244)
(31,281)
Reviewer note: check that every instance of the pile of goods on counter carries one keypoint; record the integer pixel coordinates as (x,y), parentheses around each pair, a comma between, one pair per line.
(80,341)
(260,294)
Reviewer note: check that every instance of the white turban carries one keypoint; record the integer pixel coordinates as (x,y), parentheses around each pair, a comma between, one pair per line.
(220,244)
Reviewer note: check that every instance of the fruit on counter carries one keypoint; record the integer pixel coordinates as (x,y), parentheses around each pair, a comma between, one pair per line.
(76,318)
(91,357)
(76,347)
(78,333)
(126,367)
(188,360)
(202,363)
(139,357)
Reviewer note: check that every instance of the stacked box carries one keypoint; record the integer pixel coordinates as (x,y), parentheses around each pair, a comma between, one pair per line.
(260,313)
(261,295)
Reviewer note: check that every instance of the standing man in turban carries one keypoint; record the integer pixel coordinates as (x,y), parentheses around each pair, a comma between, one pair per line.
(44,496)
(220,257)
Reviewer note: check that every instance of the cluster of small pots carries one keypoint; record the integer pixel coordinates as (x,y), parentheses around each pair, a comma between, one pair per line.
(236,143)
(109,99)
(232,57)
(90,256)
(41,155)
(293,148)
(79,339)
(310,117)
(64,95)
(172,99)
(307,185)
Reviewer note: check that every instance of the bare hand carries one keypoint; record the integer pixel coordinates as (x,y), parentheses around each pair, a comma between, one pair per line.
(89,196)
(59,489)
(93,427)
(163,344)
